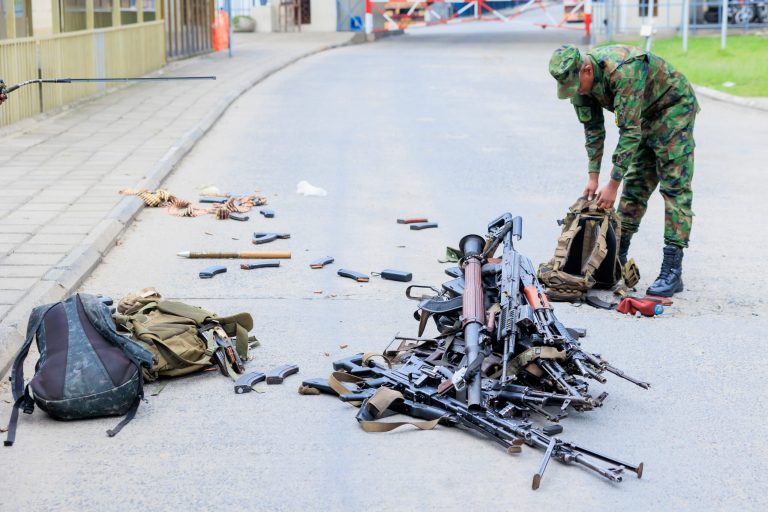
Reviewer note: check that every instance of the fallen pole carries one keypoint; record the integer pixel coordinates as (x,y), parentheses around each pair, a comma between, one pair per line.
(8,90)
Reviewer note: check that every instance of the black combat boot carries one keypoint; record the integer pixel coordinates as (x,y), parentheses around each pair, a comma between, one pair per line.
(670,280)
(624,247)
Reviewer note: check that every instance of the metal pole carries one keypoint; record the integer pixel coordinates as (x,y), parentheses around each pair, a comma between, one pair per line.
(650,25)
(724,24)
(686,22)
(229,37)
(609,15)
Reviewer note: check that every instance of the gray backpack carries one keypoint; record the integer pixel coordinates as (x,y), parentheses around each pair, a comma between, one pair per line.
(85,370)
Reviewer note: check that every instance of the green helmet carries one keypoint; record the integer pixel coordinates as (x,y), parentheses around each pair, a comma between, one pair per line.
(565,65)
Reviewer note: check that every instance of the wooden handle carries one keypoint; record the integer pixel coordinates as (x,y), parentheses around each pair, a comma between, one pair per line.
(277,255)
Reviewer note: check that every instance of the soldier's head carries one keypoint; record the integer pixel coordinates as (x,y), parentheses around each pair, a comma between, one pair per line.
(574,74)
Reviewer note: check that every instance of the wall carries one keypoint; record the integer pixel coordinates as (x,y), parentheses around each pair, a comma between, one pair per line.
(42,17)
(629,19)
(323,16)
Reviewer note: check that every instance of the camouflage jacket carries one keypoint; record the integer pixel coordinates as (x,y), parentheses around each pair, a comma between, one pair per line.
(653,104)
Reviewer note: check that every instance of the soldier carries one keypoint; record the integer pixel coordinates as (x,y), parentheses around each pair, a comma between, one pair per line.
(3,97)
(655,110)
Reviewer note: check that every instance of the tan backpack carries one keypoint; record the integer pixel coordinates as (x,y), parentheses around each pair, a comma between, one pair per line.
(182,338)
(587,255)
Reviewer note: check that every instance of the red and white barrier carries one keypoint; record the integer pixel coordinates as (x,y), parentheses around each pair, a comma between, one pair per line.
(482,12)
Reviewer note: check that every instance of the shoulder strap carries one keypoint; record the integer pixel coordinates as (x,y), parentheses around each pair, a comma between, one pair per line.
(599,250)
(98,314)
(132,411)
(20,392)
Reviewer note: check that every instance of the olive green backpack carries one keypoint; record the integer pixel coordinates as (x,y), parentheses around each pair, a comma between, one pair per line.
(587,255)
(182,338)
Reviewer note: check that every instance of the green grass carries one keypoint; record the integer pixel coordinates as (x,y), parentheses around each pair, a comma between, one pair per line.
(744,61)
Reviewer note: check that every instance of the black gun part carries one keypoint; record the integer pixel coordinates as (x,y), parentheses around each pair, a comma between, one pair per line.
(321,262)
(423,225)
(209,272)
(213,199)
(265,238)
(276,375)
(396,275)
(239,216)
(351,274)
(245,383)
(251,265)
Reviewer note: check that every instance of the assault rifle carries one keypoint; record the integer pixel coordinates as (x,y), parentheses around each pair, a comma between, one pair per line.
(508,281)
(415,384)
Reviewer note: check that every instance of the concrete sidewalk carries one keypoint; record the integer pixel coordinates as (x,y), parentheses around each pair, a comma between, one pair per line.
(59,205)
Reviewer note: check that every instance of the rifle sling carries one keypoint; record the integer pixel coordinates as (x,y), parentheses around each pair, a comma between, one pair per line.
(380,402)
(529,356)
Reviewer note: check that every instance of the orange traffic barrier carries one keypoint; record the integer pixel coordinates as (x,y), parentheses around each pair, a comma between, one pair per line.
(221,31)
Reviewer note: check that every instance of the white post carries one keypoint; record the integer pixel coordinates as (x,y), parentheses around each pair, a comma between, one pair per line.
(368,17)
(477,9)
(724,22)
(686,22)
(650,25)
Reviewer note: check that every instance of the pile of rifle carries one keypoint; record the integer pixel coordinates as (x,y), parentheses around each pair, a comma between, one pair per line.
(501,360)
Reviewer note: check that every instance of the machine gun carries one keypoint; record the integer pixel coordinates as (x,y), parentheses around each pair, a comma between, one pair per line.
(412,390)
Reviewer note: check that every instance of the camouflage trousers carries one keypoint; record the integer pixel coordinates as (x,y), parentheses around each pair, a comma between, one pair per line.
(673,177)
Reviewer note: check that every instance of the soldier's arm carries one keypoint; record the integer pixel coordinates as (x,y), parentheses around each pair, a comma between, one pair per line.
(590,114)
(628,84)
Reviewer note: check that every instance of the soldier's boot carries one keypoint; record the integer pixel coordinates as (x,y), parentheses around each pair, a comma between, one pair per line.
(624,247)
(670,280)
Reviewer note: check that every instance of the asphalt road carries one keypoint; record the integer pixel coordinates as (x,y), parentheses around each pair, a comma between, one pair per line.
(458,124)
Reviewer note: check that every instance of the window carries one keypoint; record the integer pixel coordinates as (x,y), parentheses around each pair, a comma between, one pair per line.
(22,12)
(128,14)
(150,10)
(102,13)
(643,8)
(3,33)
(72,13)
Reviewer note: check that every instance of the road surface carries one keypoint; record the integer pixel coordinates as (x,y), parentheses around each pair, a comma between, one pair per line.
(459,124)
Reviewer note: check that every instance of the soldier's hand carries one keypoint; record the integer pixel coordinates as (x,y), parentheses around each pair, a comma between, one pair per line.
(3,97)
(591,188)
(606,197)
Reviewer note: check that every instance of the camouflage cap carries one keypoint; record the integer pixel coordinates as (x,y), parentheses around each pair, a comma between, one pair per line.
(565,65)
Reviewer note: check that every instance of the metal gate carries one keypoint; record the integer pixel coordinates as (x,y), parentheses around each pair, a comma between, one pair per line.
(188,26)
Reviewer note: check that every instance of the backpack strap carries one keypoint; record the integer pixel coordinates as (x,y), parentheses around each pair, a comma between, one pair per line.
(20,391)
(599,251)
(132,411)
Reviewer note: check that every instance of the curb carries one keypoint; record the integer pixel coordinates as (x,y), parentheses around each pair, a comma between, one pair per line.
(75,267)
(754,103)
(361,37)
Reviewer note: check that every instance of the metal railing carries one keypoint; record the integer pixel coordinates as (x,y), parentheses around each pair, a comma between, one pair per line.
(622,18)
(104,53)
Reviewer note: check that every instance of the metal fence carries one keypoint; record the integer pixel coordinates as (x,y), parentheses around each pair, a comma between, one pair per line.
(626,18)
(188,27)
(112,52)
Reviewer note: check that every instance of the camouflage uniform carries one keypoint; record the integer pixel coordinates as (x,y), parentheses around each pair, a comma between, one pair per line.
(655,109)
